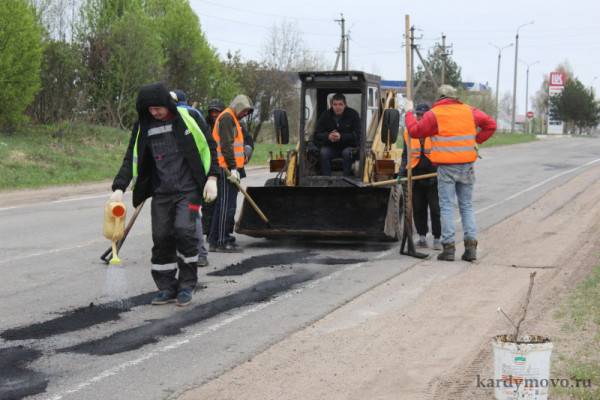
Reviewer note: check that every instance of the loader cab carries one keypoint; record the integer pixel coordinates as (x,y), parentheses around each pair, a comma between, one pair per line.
(362,93)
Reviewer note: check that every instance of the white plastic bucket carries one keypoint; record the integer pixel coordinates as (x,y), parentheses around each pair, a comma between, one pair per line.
(522,367)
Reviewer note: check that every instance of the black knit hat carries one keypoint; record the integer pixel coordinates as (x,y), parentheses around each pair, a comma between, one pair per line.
(154,95)
(216,104)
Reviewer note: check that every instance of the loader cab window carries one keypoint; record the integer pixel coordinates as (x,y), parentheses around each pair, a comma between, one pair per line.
(372,109)
(317,101)
(353,100)
(310,112)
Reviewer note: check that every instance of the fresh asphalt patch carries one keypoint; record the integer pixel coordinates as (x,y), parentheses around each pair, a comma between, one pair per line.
(16,379)
(153,331)
(280,259)
(77,319)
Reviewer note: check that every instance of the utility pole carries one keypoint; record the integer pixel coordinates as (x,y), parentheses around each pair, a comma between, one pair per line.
(348,50)
(444,53)
(527,93)
(514,102)
(411,58)
(498,72)
(343,41)
(337,58)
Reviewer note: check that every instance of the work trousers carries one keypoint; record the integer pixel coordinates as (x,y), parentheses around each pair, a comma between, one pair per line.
(174,220)
(329,153)
(425,197)
(456,181)
(223,218)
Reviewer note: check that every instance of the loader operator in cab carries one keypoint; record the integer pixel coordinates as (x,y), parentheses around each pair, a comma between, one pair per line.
(337,135)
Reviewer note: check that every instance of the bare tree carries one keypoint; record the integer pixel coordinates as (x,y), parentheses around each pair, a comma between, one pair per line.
(58,17)
(283,54)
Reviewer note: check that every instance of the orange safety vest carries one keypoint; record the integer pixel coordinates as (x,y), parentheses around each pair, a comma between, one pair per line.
(455,140)
(238,141)
(415,147)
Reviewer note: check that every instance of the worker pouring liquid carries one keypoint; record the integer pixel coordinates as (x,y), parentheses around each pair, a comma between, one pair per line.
(170,160)
(453,128)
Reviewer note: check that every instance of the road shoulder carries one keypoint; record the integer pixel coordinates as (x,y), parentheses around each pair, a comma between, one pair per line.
(434,346)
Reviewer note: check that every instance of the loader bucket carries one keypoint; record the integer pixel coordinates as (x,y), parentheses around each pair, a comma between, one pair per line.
(321,212)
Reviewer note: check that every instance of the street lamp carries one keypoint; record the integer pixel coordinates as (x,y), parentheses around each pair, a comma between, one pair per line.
(514,105)
(498,71)
(527,91)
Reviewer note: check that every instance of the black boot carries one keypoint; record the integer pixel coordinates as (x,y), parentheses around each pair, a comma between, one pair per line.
(448,253)
(470,253)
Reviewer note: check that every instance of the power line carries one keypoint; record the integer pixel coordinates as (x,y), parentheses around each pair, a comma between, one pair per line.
(234,42)
(265,27)
(261,13)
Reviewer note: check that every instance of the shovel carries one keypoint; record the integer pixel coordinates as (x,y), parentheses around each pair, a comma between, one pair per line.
(250,200)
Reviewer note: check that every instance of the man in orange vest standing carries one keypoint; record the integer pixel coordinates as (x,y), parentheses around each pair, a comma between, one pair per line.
(229,136)
(425,194)
(455,129)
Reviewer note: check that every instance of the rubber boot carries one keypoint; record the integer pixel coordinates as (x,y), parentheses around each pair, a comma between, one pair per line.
(470,253)
(448,253)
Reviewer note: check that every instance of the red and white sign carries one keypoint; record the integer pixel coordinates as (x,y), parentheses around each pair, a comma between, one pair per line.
(530,114)
(557,79)
(556,84)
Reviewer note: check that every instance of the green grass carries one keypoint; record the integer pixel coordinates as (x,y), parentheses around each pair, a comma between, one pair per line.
(502,139)
(581,317)
(43,155)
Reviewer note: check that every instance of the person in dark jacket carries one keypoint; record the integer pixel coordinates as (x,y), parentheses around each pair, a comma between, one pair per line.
(337,135)
(229,135)
(204,210)
(183,102)
(170,160)
(425,195)
(215,107)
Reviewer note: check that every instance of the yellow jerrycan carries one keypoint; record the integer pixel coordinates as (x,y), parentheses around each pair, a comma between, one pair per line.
(114,226)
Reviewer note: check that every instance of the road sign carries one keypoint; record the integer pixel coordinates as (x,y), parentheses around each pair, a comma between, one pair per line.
(556,84)
(530,114)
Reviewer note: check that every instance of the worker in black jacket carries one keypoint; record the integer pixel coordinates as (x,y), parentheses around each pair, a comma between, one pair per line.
(425,193)
(338,135)
(169,159)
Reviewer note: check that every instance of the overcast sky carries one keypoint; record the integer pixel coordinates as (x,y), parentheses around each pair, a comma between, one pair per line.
(562,30)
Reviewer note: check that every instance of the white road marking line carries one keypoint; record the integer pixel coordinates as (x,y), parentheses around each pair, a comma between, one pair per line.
(212,328)
(68,200)
(42,253)
(537,185)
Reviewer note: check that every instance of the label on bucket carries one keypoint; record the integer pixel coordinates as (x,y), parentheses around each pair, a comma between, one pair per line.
(520,360)
(521,371)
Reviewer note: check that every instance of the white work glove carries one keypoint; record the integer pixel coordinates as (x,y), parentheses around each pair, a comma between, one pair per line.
(234,176)
(409,106)
(116,196)
(210,190)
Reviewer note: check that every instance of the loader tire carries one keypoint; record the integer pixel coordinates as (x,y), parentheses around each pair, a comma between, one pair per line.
(281,121)
(391,125)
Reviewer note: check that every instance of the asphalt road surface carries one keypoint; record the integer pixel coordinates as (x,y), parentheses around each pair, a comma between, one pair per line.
(62,337)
